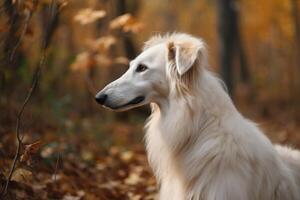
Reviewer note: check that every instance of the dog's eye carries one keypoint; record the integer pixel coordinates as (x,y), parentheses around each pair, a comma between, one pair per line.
(141,68)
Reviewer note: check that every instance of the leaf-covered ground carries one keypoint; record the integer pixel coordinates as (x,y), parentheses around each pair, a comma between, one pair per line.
(117,175)
(59,164)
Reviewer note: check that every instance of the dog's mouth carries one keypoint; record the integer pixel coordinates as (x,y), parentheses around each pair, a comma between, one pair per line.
(136,101)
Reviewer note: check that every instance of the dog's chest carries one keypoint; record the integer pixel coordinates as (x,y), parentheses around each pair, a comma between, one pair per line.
(158,150)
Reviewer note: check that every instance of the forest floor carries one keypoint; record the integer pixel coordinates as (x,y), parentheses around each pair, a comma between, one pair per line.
(111,165)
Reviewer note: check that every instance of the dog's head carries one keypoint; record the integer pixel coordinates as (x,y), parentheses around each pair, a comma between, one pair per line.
(168,64)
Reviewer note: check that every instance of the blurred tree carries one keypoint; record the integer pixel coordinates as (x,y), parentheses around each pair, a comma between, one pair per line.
(295,16)
(48,13)
(231,43)
(10,40)
(171,15)
(121,9)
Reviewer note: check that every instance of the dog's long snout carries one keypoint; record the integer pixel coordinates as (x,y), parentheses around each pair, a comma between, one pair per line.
(101,98)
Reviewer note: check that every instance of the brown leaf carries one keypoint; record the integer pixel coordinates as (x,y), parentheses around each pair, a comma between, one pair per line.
(22,175)
(30,150)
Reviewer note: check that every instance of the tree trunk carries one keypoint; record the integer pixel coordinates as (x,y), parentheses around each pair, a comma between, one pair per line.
(244,68)
(296,22)
(11,56)
(295,15)
(121,8)
(227,34)
(231,44)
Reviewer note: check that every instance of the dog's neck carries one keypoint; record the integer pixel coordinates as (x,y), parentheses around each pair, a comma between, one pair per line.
(205,109)
(169,129)
(207,98)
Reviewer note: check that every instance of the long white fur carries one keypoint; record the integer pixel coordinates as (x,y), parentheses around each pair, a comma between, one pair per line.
(201,148)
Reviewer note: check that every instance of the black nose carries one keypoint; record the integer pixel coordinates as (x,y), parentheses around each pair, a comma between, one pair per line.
(101,98)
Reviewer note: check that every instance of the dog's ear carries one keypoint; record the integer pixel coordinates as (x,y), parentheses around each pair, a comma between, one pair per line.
(184,55)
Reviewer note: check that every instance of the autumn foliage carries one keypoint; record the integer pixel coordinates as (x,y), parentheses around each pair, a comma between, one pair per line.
(72,149)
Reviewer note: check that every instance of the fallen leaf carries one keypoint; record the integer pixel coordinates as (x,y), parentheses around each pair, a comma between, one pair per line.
(22,175)
(133,179)
(126,156)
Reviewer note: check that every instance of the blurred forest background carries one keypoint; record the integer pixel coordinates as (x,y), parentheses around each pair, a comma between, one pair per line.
(59,144)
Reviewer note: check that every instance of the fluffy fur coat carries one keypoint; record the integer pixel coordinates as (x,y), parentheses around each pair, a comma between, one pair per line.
(199,145)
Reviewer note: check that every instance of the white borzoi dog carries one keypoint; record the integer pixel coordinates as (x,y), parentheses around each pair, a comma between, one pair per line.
(199,146)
